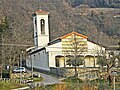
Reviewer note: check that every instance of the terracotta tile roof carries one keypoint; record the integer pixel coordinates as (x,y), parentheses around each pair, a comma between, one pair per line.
(41,12)
(73,33)
(62,37)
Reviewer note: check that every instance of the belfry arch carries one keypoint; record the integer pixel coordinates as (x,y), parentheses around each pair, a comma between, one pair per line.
(42,22)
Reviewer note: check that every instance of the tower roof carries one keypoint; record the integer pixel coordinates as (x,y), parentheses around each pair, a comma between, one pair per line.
(41,12)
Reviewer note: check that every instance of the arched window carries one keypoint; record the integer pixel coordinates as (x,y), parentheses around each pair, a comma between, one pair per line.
(42,21)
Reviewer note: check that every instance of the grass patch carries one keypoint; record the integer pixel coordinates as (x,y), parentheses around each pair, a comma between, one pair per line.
(35,79)
(68,86)
(47,87)
(87,85)
(72,83)
(10,85)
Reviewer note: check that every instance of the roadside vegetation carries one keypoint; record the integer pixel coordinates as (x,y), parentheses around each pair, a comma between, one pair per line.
(35,79)
(86,85)
(10,85)
(69,83)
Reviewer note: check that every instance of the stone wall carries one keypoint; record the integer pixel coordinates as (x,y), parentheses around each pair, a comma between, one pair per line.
(19,75)
(69,71)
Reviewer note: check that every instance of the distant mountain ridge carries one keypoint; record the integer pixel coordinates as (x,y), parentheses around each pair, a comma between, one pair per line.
(96,3)
(99,24)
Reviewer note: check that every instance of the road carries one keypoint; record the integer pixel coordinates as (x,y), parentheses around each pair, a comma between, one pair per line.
(47,80)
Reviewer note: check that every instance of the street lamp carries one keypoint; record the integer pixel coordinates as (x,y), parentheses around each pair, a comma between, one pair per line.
(21,59)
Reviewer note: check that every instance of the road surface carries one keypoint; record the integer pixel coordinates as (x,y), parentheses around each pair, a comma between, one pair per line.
(47,80)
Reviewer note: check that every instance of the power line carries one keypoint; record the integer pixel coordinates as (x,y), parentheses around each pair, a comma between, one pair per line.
(4,44)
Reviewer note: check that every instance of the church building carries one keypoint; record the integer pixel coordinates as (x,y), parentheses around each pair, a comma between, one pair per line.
(48,54)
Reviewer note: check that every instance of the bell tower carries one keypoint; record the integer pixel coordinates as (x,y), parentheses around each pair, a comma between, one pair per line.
(41,28)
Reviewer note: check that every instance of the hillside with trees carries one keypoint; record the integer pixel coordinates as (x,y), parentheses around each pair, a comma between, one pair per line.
(101,25)
(96,3)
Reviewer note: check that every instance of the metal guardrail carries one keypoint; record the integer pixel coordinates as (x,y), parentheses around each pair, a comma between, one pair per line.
(4,79)
(23,88)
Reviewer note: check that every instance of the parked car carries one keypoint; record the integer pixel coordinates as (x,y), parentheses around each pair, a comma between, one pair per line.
(20,69)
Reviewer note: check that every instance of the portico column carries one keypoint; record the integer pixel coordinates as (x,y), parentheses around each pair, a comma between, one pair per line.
(94,61)
(64,61)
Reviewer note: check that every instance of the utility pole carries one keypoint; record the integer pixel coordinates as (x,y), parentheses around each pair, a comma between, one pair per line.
(31,67)
(114,74)
(21,58)
(114,81)
(1,56)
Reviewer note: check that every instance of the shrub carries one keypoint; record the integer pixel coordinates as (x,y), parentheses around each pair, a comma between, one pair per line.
(5,74)
(73,79)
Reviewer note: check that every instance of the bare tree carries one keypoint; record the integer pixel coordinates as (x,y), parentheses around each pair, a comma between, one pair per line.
(73,47)
(13,43)
(3,28)
(107,59)
(13,49)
